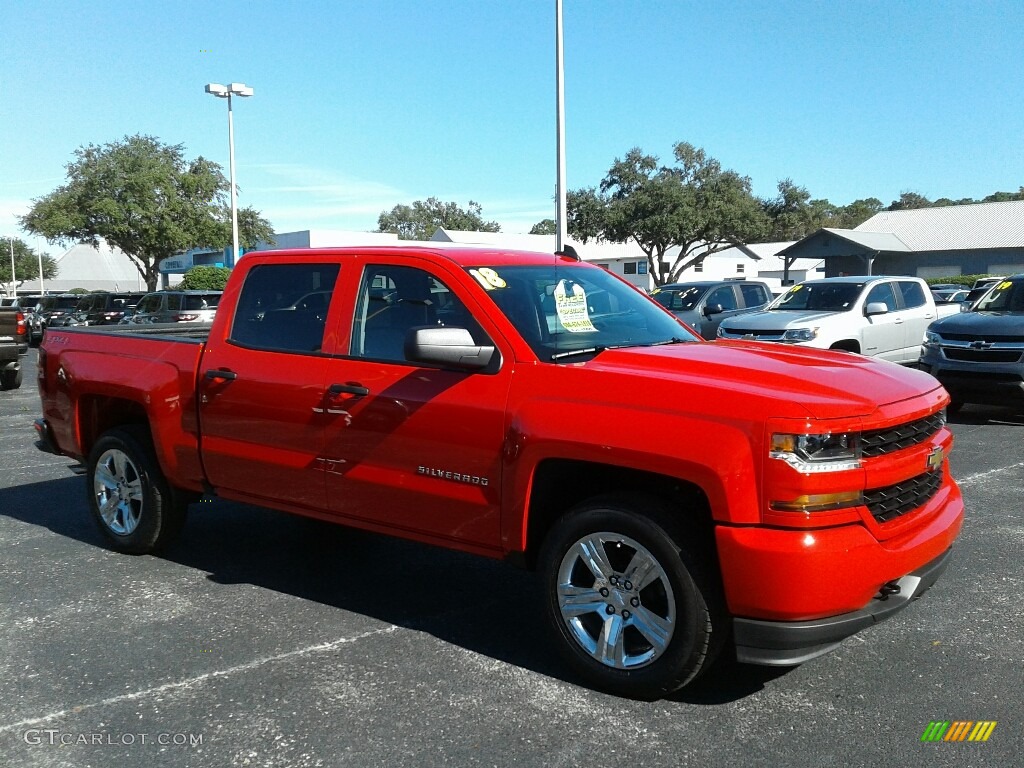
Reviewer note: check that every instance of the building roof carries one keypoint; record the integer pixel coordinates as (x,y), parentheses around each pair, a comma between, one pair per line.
(953,227)
(103,268)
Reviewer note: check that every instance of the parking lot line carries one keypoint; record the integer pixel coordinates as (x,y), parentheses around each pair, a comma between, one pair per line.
(983,476)
(198,679)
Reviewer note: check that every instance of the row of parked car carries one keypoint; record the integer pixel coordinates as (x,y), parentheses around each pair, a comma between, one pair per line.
(974,343)
(113,308)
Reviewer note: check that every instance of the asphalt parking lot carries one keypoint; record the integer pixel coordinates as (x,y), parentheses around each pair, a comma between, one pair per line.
(262,639)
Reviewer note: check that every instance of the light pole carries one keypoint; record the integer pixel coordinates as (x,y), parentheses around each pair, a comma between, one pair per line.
(14,279)
(561,212)
(225,92)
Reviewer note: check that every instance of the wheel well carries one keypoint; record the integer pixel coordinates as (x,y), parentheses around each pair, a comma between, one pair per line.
(847,345)
(561,484)
(97,414)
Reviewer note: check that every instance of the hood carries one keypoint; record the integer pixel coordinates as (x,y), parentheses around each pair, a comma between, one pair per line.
(981,324)
(773,319)
(796,381)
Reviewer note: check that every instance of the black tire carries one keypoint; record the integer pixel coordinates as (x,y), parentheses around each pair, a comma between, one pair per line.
(669,629)
(131,500)
(954,407)
(10,379)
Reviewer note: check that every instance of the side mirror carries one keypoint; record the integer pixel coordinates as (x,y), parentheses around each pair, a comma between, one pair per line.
(448,347)
(876,308)
(713,309)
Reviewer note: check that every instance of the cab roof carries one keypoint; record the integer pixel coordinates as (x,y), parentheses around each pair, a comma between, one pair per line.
(461,256)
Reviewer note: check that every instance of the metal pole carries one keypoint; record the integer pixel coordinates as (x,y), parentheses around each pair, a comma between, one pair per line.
(234,200)
(14,279)
(42,288)
(562,212)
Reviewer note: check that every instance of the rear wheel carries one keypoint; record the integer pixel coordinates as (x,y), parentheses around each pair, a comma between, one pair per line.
(10,379)
(132,503)
(633,603)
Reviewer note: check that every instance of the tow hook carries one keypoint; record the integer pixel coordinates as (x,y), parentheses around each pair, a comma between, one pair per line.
(887,589)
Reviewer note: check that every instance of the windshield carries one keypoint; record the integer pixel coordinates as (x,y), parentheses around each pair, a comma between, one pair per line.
(1007,296)
(826,297)
(680,298)
(568,310)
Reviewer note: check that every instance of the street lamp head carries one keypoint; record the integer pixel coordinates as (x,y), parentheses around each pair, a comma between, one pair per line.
(240,89)
(217,90)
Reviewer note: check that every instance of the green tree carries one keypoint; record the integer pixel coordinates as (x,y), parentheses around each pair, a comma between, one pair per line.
(205,278)
(794,216)
(1004,197)
(908,201)
(543,227)
(857,212)
(677,214)
(145,198)
(26,264)
(424,217)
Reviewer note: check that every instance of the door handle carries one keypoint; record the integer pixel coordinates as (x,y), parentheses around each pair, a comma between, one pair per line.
(348,389)
(221,375)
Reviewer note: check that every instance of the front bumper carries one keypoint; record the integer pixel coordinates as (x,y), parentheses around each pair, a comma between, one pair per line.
(45,443)
(785,643)
(981,380)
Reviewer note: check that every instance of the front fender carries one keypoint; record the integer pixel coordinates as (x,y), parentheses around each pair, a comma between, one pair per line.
(716,455)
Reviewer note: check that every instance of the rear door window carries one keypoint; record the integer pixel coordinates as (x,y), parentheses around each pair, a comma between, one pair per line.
(283,307)
(753,295)
(913,294)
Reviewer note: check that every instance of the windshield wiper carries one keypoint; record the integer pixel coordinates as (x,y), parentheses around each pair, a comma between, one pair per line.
(673,340)
(579,352)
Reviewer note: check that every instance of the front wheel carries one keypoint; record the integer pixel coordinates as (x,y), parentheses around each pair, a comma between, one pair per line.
(632,601)
(132,503)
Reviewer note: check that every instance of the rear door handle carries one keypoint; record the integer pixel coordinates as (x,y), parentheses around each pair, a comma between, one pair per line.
(348,389)
(222,375)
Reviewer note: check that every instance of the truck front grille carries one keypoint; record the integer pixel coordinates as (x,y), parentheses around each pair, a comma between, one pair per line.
(889,503)
(879,442)
(983,355)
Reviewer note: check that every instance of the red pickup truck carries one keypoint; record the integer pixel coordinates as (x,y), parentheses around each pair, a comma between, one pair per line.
(680,498)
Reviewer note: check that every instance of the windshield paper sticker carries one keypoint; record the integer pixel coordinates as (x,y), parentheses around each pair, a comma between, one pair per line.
(488,278)
(572,310)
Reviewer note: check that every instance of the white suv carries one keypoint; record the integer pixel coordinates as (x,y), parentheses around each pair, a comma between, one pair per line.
(883,317)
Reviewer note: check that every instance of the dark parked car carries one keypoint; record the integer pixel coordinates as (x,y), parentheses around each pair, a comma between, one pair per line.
(55,309)
(103,308)
(176,307)
(705,304)
(978,355)
(29,305)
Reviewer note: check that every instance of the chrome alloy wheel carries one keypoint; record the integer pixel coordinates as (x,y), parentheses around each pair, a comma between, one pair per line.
(117,487)
(616,600)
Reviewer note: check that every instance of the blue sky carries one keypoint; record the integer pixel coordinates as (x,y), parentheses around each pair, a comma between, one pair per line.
(361,105)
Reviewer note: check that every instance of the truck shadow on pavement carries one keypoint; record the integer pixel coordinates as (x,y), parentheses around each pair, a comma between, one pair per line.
(988,414)
(481,605)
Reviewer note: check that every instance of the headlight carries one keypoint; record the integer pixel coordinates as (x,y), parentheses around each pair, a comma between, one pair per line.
(818,453)
(800,334)
(720,332)
(932,339)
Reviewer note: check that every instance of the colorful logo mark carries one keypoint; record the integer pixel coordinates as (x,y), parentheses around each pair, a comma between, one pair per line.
(958,730)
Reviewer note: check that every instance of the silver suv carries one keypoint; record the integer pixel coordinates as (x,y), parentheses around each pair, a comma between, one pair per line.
(704,304)
(175,307)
